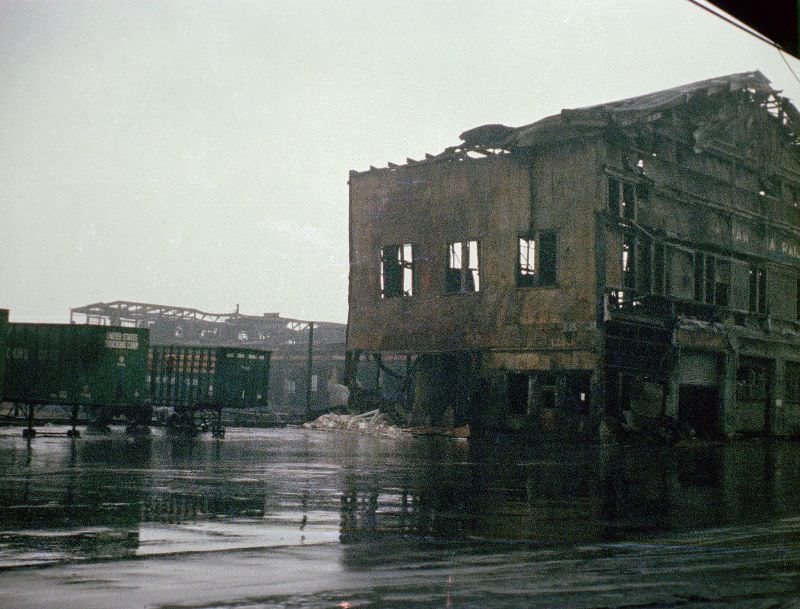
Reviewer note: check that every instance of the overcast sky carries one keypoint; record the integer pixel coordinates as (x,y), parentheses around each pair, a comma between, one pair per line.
(195,153)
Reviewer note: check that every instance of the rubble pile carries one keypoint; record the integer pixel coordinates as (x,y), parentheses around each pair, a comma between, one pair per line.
(372,422)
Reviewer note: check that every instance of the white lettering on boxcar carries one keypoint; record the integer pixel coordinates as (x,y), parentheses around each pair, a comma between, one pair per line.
(119,340)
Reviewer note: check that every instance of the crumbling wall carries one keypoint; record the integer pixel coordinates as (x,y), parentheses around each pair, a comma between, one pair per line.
(494,201)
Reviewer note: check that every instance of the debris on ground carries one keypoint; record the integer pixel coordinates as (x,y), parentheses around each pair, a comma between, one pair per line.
(448,432)
(372,422)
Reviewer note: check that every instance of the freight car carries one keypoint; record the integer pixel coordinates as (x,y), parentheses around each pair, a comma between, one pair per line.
(3,330)
(99,368)
(187,379)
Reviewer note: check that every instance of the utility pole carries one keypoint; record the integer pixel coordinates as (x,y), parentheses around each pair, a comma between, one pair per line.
(309,367)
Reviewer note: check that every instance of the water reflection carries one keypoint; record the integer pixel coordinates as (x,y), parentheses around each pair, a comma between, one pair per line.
(572,495)
(112,497)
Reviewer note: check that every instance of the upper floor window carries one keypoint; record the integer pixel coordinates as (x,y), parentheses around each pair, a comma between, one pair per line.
(712,279)
(397,270)
(536,262)
(797,298)
(463,272)
(623,198)
(758,290)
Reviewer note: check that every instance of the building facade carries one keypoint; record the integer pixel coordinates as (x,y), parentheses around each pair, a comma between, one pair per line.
(635,261)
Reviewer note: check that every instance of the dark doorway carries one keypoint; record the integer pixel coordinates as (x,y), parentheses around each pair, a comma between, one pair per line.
(698,407)
(518,394)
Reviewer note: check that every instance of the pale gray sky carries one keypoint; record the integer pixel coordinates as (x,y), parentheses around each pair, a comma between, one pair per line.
(196,152)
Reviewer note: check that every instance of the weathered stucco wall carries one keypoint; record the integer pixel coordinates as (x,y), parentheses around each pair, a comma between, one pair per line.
(490,200)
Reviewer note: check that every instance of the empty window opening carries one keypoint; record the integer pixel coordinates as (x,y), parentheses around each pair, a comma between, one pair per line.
(699,265)
(526,272)
(397,270)
(547,257)
(463,273)
(536,263)
(623,198)
(644,264)
(628,264)
(698,407)
(752,383)
(792,382)
(722,282)
(518,393)
(613,197)
(628,201)
(758,290)
(658,269)
(797,299)
(712,279)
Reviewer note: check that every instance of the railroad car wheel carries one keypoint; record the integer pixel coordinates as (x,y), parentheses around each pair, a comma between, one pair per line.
(73,433)
(28,433)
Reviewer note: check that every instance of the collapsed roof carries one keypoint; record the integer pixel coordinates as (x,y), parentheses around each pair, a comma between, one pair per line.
(753,87)
(650,107)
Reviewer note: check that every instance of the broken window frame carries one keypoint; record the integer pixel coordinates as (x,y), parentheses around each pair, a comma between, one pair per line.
(537,259)
(628,264)
(791,381)
(757,301)
(712,279)
(462,273)
(797,298)
(397,267)
(623,197)
(752,383)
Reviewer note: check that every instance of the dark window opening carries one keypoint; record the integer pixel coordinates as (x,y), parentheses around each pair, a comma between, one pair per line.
(751,383)
(712,279)
(722,282)
(643,265)
(658,269)
(629,264)
(613,197)
(518,394)
(548,398)
(629,201)
(642,193)
(797,299)
(536,262)
(397,271)
(623,198)
(699,264)
(463,273)
(758,290)
(547,257)
(792,381)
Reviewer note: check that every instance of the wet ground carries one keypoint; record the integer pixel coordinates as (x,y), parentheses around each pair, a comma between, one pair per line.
(296,518)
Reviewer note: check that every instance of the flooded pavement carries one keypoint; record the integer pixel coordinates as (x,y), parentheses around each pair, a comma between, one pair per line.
(302,518)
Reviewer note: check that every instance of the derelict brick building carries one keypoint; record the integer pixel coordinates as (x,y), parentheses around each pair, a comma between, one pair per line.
(632,260)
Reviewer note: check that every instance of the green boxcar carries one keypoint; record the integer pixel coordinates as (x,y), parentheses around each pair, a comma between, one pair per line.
(196,378)
(102,368)
(3,331)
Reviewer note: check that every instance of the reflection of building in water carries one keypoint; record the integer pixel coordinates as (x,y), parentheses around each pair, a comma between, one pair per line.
(182,507)
(580,496)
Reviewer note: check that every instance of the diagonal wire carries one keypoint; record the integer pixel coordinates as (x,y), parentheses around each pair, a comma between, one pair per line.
(753,33)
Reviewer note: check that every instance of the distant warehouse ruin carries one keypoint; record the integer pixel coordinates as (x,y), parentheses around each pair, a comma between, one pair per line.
(634,261)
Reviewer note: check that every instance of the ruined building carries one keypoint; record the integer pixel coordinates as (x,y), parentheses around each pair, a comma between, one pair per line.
(630,261)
